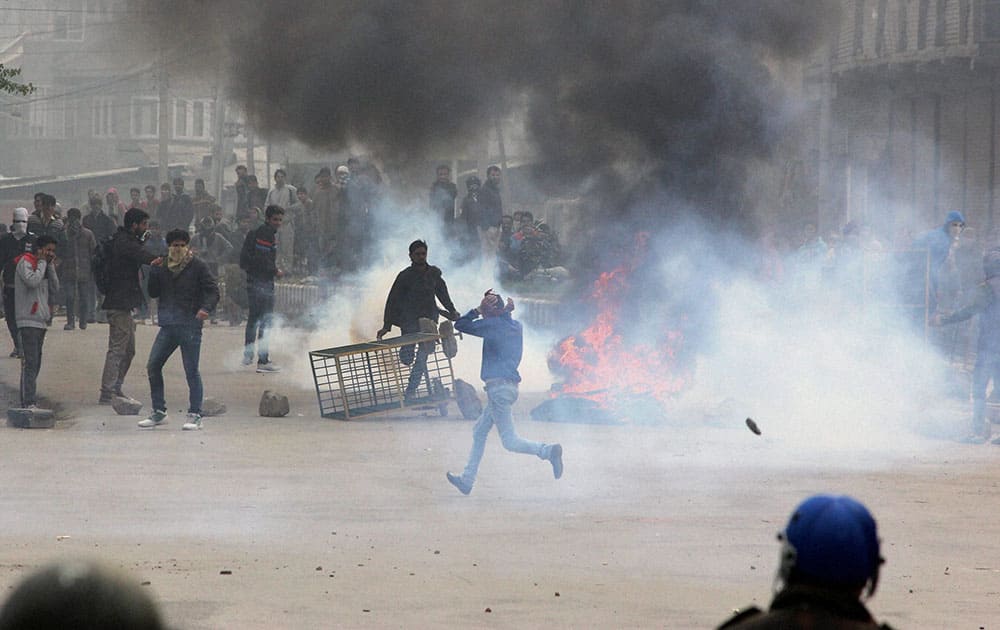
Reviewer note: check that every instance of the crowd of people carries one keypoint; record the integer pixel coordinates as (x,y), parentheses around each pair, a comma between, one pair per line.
(160,247)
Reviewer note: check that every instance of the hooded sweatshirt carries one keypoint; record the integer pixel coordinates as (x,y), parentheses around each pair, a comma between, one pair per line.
(34,281)
(13,244)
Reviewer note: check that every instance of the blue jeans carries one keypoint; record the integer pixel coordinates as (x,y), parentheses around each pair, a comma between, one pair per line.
(500,397)
(188,338)
(987,365)
(260,300)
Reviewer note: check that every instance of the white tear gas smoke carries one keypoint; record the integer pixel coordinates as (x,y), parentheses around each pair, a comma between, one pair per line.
(353,312)
(669,94)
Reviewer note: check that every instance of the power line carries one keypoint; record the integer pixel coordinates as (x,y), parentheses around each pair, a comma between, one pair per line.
(125,77)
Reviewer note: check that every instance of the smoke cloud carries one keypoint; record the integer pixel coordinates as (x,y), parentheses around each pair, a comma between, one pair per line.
(662,96)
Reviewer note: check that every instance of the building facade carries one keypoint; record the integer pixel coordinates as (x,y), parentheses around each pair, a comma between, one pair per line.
(902,124)
(97,102)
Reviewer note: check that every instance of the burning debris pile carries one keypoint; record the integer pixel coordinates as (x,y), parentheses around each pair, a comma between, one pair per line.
(609,373)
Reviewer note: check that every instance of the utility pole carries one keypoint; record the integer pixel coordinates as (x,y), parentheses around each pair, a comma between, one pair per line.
(219,137)
(164,127)
(251,149)
(505,181)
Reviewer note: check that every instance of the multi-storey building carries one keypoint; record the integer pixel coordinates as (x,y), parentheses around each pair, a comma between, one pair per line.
(903,124)
(97,103)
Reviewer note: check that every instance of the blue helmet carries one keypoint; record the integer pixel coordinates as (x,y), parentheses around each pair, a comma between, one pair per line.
(831,540)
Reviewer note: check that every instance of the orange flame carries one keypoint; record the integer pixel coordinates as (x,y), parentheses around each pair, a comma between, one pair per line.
(599,364)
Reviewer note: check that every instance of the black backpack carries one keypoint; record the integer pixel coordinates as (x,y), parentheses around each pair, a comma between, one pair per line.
(100,266)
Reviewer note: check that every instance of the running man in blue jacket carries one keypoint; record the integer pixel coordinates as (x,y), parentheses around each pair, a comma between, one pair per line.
(502,345)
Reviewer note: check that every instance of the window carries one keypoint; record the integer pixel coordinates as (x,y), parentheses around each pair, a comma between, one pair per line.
(880,28)
(70,126)
(859,27)
(940,22)
(923,9)
(191,118)
(37,112)
(903,42)
(181,107)
(991,20)
(145,117)
(67,25)
(199,119)
(104,117)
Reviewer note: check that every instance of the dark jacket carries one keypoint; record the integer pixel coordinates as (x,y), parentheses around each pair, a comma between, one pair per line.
(471,212)
(100,224)
(10,248)
(127,255)
(183,294)
(502,344)
(442,200)
(807,607)
(986,305)
(490,205)
(259,256)
(412,296)
(178,214)
(76,253)
(54,228)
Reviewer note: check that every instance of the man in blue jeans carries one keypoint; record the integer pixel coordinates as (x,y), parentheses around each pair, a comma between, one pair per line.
(188,294)
(502,346)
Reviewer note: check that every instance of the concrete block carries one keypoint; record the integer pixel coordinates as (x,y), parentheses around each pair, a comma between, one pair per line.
(23,418)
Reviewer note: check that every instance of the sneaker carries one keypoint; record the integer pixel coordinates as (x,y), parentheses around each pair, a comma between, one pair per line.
(193,422)
(247,360)
(555,457)
(104,400)
(459,483)
(155,419)
(69,327)
(83,325)
(267,367)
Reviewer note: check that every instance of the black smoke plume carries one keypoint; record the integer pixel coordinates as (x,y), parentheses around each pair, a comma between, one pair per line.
(631,97)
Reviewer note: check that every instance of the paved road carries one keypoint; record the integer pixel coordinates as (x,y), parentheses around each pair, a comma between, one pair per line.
(352,524)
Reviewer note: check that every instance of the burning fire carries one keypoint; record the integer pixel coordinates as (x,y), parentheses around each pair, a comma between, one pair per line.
(600,364)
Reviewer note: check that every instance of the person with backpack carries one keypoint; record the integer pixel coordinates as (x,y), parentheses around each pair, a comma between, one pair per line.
(258,259)
(117,267)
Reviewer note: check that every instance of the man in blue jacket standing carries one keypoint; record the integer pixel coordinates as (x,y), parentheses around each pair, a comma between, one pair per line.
(502,346)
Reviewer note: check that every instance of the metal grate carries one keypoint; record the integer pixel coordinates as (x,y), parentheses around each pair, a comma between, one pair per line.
(368,377)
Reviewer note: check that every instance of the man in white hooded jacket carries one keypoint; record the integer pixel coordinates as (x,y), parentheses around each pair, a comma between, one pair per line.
(34,281)
(12,244)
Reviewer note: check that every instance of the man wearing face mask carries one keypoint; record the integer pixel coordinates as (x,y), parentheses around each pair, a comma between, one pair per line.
(16,242)
(188,294)
(76,253)
(124,295)
(35,280)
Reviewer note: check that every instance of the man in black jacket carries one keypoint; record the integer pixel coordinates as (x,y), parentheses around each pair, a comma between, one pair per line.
(12,244)
(188,294)
(412,297)
(124,294)
(180,211)
(258,259)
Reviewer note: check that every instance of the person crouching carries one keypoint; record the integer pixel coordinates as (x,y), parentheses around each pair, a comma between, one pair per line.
(35,280)
(188,294)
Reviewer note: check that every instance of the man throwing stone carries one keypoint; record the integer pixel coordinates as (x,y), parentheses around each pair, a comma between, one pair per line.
(502,345)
